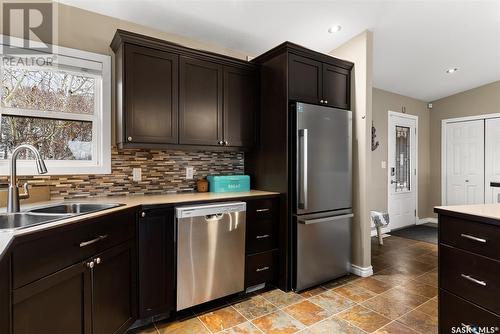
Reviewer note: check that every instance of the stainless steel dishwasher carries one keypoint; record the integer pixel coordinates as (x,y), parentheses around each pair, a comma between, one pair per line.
(210,252)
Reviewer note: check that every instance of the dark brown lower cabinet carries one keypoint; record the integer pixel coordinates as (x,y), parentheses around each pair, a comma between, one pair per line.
(113,298)
(156,262)
(90,297)
(59,303)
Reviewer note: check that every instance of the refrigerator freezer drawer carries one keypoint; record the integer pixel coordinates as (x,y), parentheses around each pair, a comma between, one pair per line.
(323,249)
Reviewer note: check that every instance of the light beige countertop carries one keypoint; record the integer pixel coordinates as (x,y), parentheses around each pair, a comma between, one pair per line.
(488,213)
(127,201)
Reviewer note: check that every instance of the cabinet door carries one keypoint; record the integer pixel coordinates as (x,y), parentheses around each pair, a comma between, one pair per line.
(304,79)
(58,303)
(113,290)
(151,95)
(241,103)
(200,104)
(336,86)
(156,263)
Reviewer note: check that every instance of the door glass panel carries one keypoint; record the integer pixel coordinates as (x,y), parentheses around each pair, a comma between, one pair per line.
(402,159)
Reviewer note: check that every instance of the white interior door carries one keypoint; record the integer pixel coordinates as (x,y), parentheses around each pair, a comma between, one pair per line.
(402,160)
(492,160)
(465,162)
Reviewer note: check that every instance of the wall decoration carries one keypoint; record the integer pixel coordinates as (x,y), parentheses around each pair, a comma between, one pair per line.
(374,135)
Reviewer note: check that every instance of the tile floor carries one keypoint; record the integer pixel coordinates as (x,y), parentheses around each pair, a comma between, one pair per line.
(399,298)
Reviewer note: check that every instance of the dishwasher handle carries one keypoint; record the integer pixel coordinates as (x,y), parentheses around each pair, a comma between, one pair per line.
(204,210)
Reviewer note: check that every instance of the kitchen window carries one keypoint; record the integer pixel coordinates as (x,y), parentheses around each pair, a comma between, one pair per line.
(60,104)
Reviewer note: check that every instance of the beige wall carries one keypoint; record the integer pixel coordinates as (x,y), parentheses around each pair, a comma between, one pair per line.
(89,31)
(359,50)
(478,101)
(383,101)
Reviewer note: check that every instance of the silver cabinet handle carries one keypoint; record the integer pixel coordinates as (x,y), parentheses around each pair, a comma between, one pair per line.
(303,170)
(471,237)
(262,236)
(262,269)
(93,241)
(325,220)
(262,210)
(226,142)
(129,138)
(98,260)
(326,101)
(221,142)
(320,101)
(90,264)
(143,214)
(472,279)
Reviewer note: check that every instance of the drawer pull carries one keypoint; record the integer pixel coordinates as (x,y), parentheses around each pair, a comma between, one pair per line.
(93,241)
(262,269)
(472,279)
(471,237)
(263,210)
(262,236)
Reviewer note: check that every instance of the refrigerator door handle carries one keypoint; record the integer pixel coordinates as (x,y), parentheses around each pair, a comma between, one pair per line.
(303,169)
(326,219)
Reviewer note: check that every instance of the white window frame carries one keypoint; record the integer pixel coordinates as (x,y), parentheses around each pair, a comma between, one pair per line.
(101,119)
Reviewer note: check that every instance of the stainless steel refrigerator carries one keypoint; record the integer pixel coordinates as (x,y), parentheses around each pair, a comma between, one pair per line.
(322,215)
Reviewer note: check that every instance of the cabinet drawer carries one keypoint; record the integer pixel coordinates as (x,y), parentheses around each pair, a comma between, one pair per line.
(260,268)
(475,278)
(262,208)
(471,236)
(261,235)
(457,312)
(43,256)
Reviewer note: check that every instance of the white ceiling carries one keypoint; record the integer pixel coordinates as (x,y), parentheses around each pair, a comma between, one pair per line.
(414,41)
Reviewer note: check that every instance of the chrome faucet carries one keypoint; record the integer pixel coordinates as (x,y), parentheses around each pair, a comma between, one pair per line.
(13,195)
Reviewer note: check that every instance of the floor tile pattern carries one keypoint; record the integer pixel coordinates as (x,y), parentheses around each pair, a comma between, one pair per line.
(400,298)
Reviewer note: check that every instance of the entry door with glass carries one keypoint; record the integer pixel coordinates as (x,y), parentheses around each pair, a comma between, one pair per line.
(402,176)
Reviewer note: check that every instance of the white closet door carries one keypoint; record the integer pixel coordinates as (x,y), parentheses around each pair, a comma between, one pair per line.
(465,163)
(492,160)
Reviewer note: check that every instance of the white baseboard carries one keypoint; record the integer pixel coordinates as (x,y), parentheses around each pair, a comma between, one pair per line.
(430,220)
(384,230)
(361,271)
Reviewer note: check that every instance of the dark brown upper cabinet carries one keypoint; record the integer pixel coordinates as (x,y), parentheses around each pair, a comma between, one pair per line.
(170,96)
(336,86)
(200,121)
(317,82)
(305,79)
(151,95)
(240,102)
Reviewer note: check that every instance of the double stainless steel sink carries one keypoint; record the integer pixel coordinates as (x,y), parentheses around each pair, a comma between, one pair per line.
(50,213)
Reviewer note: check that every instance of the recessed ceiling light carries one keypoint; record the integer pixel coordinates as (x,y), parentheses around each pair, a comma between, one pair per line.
(334,29)
(452,70)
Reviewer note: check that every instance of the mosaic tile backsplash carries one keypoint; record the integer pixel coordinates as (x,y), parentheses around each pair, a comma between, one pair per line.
(162,171)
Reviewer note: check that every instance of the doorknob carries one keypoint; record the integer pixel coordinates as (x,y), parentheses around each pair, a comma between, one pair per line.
(393,181)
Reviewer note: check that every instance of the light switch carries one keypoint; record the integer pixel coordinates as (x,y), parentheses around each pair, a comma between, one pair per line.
(137,174)
(383,164)
(189,173)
